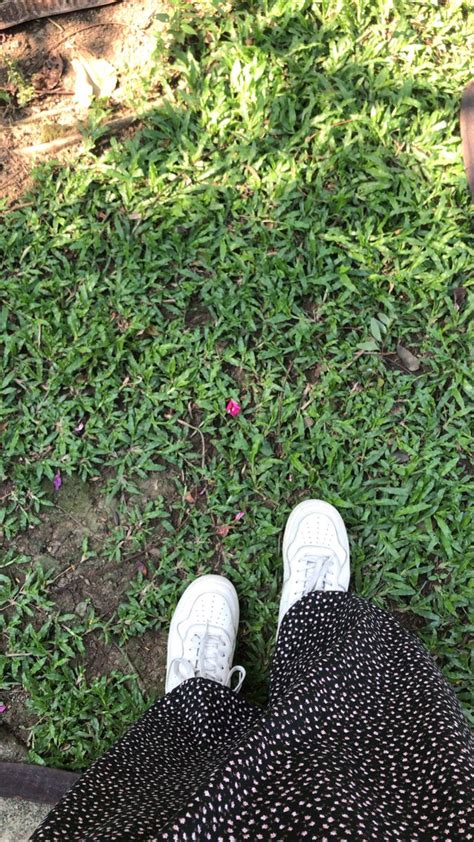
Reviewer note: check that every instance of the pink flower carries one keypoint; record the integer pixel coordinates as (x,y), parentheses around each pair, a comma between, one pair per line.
(232,408)
(2,708)
(239,516)
(79,427)
(57,481)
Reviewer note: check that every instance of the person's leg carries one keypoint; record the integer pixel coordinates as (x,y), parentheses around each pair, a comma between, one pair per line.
(383,747)
(363,739)
(144,779)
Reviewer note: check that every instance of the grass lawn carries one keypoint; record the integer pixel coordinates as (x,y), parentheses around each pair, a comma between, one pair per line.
(293,211)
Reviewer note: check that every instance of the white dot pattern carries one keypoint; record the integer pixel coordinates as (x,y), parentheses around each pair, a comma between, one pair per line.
(362,739)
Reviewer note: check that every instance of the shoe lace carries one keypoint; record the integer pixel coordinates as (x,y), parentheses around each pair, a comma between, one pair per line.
(316,572)
(209,661)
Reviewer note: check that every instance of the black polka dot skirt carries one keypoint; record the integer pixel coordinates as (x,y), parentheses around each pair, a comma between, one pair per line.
(362,739)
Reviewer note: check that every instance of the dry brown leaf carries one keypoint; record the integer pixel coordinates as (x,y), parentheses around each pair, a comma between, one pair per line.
(142,568)
(401,457)
(50,74)
(223,530)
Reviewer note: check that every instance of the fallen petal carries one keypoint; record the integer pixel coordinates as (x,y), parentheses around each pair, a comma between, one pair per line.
(3,708)
(232,408)
(57,481)
(239,515)
(79,427)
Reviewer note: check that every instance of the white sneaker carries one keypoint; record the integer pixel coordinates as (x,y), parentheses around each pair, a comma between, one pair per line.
(315,553)
(203,634)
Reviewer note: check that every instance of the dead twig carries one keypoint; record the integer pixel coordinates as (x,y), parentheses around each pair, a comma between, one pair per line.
(108,128)
(53,145)
(54,92)
(42,115)
(59,143)
(133,556)
(67,569)
(18,654)
(203,441)
(56,24)
(356,357)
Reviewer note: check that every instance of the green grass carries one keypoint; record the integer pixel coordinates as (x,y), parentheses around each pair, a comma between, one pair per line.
(294,209)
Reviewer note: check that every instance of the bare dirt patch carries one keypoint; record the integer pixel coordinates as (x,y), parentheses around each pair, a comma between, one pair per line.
(96,585)
(82,511)
(144,656)
(18,719)
(38,105)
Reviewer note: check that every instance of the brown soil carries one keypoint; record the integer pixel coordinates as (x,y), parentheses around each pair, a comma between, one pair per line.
(125,34)
(410,621)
